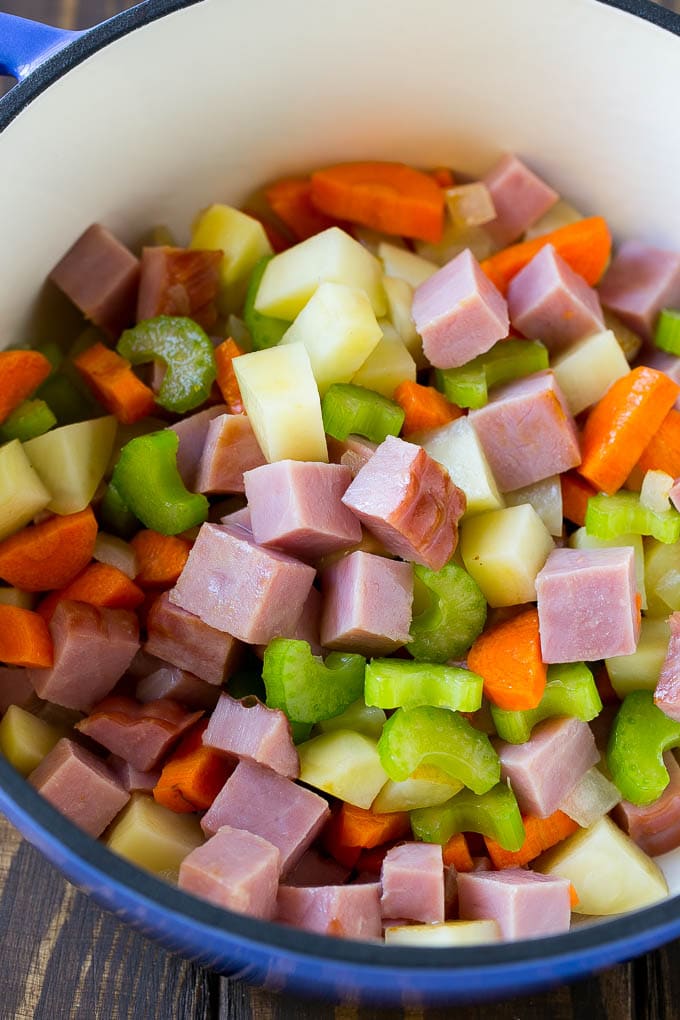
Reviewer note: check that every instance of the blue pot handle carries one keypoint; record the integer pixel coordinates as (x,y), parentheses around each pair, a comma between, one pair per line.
(26,44)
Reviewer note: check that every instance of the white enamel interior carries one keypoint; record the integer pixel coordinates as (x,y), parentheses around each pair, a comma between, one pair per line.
(214,99)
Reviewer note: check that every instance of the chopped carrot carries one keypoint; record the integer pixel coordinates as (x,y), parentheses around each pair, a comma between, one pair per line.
(585,245)
(114,384)
(99,585)
(622,424)
(540,835)
(508,658)
(575,495)
(277,240)
(372,859)
(424,407)
(49,555)
(226,377)
(21,372)
(662,453)
(291,200)
(457,853)
(574,898)
(160,558)
(347,855)
(366,829)
(390,197)
(193,775)
(443,176)
(24,638)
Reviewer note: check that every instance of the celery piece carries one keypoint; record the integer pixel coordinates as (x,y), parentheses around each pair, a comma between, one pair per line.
(115,515)
(265,330)
(30,419)
(71,461)
(68,402)
(570,690)
(25,739)
(465,386)
(53,352)
(468,385)
(153,837)
(348,409)
(395,683)
(640,734)
(667,332)
(301,731)
(305,687)
(359,716)
(22,491)
(345,765)
(453,617)
(494,814)
(622,513)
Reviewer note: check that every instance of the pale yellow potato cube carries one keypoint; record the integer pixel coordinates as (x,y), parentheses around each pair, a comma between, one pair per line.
(405,265)
(580,539)
(153,837)
(72,460)
(339,330)
(449,933)
(281,398)
(399,303)
(662,576)
(456,239)
(388,364)
(25,739)
(609,871)
(428,786)
(504,551)
(456,447)
(243,241)
(22,492)
(640,671)
(629,341)
(585,371)
(546,499)
(332,256)
(344,764)
(561,214)
(470,205)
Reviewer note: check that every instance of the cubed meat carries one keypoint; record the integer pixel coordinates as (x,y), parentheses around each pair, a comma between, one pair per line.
(184,640)
(140,734)
(667,693)
(178,684)
(248,729)
(655,827)
(519,196)
(133,780)
(235,869)
(179,281)
(314,868)
(640,281)
(193,432)
(229,450)
(353,452)
(345,911)
(523,903)
(412,880)
(15,687)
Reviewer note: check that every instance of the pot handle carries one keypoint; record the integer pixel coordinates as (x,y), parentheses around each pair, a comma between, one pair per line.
(26,44)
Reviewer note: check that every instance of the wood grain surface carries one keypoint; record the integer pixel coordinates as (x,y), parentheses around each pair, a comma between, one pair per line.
(62,957)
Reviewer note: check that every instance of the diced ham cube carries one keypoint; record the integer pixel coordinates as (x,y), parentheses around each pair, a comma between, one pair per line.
(140,734)
(459,313)
(179,281)
(192,432)
(353,452)
(307,627)
(548,301)
(184,640)
(178,684)
(655,827)
(527,432)
(93,648)
(271,806)
(366,604)
(15,687)
(239,519)
(235,869)
(640,281)
(236,586)
(588,604)
(544,770)
(229,450)
(519,197)
(132,779)
(524,903)
(315,869)
(667,693)
(296,507)
(79,785)
(408,500)
(248,729)
(100,276)
(412,880)
(345,911)
(143,664)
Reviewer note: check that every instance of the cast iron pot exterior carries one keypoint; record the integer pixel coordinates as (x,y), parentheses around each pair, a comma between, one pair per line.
(276,957)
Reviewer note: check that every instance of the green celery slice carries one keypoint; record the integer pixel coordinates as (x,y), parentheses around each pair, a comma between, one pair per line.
(395,683)
(265,331)
(667,332)
(305,687)
(494,814)
(507,360)
(454,618)
(570,690)
(623,513)
(348,409)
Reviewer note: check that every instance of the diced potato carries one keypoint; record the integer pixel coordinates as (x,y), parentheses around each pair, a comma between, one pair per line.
(25,739)
(117,553)
(662,577)
(339,330)
(546,499)
(456,447)
(450,933)
(654,493)
(504,551)
(593,797)
(405,264)
(585,371)
(640,671)
(561,214)
(17,597)
(281,398)
(470,205)
(332,256)
(22,492)
(609,871)
(399,302)
(388,364)
(71,461)
(243,241)
(344,764)
(454,240)
(426,787)
(153,837)
(360,717)
(628,340)
(580,539)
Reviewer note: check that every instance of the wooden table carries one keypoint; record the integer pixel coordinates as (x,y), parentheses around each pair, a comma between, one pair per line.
(61,956)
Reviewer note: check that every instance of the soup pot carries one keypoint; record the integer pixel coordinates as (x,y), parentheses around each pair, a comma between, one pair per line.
(179,103)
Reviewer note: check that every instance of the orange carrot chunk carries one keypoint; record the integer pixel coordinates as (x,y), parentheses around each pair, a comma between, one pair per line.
(24,638)
(574,899)
(364,828)
(49,555)
(662,453)
(99,585)
(160,558)
(575,495)
(226,376)
(424,407)
(390,197)
(585,245)
(114,384)
(508,658)
(291,200)
(443,176)
(540,835)
(192,776)
(622,424)
(456,853)
(21,372)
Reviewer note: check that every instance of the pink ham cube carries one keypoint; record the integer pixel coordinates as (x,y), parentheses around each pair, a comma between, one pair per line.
(193,432)
(236,870)
(353,452)
(345,911)
(548,301)
(519,197)
(527,432)
(524,903)
(179,685)
(15,687)
(588,604)
(367,604)
(132,779)
(229,450)
(248,729)
(238,587)
(409,502)
(640,281)
(412,879)
(655,827)
(80,785)
(459,313)
(296,506)
(667,693)
(184,640)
